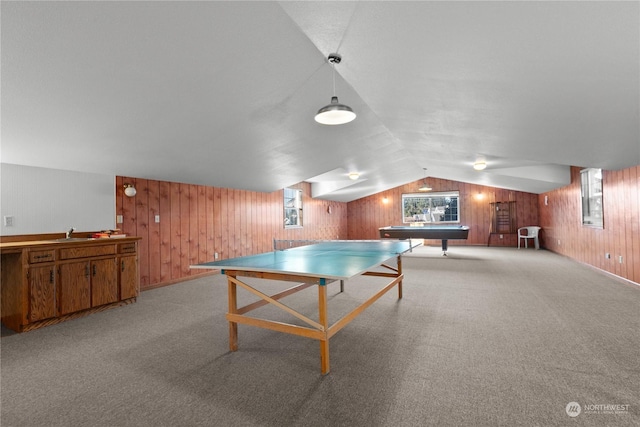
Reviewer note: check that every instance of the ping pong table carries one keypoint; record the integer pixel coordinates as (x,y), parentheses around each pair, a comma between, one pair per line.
(318,263)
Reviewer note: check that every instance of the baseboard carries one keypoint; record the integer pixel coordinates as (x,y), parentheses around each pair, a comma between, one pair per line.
(180,280)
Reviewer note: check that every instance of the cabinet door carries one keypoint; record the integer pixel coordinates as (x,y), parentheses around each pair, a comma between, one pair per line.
(75,287)
(104,282)
(42,293)
(128,277)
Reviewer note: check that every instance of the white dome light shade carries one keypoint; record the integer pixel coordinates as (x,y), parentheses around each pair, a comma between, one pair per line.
(129,190)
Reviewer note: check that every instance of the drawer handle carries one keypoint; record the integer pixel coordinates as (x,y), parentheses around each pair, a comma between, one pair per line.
(51,276)
(42,256)
(86,271)
(122,265)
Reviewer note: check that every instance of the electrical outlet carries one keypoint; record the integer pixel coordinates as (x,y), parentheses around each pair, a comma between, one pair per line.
(8,221)
(620,259)
(119,219)
(558,242)
(215,255)
(502,236)
(157,219)
(607,255)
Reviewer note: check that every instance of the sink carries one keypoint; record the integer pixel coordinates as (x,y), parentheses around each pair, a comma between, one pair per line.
(75,239)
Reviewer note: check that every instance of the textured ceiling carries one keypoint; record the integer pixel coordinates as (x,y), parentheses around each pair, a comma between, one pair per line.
(224,93)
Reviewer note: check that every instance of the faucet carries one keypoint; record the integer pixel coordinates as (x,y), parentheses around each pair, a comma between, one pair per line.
(69,232)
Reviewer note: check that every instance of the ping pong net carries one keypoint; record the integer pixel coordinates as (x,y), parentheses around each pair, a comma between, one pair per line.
(284,244)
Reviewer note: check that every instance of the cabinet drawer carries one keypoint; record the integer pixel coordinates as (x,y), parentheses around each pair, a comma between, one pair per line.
(127,248)
(42,256)
(79,252)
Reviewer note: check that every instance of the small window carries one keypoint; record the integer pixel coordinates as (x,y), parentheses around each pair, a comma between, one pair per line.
(591,184)
(431,208)
(292,208)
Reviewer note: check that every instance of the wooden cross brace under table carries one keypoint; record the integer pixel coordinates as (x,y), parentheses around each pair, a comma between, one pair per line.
(320,330)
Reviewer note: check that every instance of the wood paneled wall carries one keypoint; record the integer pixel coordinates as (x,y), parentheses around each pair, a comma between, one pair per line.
(198,221)
(368,214)
(620,237)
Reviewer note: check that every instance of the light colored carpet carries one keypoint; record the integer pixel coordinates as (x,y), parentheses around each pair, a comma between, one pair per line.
(483,337)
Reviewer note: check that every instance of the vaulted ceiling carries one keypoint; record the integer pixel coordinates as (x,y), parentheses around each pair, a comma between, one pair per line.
(224,93)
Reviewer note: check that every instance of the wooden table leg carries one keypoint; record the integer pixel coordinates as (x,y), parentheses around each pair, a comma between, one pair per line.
(399,274)
(323,319)
(233,309)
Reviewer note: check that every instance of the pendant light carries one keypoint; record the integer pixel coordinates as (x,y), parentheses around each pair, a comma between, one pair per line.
(335,113)
(425,186)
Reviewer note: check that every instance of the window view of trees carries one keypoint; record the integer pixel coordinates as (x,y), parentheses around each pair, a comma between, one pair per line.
(292,207)
(430,208)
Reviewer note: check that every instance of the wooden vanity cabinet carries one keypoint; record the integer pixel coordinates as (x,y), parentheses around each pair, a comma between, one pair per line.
(104,282)
(42,292)
(41,278)
(75,286)
(90,280)
(87,284)
(128,265)
(47,282)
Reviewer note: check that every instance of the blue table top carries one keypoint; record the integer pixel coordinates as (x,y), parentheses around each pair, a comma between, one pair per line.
(427,226)
(334,260)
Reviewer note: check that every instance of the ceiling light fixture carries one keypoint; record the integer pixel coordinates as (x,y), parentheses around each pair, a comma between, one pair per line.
(335,113)
(425,186)
(354,175)
(480,165)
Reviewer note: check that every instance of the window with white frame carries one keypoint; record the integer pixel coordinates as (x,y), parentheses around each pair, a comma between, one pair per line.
(292,207)
(431,207)
(591,186)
